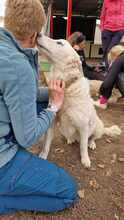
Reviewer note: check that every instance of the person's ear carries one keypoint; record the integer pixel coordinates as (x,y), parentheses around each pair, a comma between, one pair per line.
(33,39)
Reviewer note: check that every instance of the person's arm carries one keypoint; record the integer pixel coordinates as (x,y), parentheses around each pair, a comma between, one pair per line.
(82,57)
(111,77)
(19,91)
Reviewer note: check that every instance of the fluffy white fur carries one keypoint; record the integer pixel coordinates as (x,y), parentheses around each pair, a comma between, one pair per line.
(77,118)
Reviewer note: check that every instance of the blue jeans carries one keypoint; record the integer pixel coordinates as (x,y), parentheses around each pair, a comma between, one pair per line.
(28,182)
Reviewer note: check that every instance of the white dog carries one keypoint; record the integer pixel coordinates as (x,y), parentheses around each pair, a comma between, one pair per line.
(77,118)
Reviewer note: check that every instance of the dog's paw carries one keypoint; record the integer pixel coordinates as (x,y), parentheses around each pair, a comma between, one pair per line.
(86,161)
(92,145)
(43,155)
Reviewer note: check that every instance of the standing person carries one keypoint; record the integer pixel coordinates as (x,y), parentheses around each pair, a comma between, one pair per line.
(111,25)
(77,41)
(27,182)
(115,76)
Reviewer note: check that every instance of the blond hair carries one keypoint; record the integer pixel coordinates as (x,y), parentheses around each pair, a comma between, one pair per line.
(115,52)
(24,17)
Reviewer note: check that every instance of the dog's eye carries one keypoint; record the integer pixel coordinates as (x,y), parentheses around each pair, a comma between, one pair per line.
(60,43)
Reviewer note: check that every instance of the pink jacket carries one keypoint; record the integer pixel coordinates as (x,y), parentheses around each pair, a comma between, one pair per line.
(112,15)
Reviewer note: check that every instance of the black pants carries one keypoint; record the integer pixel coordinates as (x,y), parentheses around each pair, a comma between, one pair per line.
(110,39)
(93,75)
(111,81)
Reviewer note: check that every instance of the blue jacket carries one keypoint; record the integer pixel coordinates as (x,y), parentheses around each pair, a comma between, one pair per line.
(20,126)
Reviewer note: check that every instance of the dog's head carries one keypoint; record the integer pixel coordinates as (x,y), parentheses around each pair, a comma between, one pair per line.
(65,62)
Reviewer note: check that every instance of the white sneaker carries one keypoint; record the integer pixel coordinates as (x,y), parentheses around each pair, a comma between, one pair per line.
(98,104)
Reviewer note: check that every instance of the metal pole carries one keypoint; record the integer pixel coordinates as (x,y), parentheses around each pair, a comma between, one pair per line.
(51,26)
(69,15)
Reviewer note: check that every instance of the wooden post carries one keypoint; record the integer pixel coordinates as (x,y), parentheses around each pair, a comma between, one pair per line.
(69,15)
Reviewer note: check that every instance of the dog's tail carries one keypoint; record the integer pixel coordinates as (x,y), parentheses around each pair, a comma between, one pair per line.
(112,131)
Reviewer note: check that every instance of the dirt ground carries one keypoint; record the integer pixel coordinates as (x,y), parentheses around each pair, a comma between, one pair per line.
(102,186)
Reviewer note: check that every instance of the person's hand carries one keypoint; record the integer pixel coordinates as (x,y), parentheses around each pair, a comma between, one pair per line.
(76,47)
(56,92)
